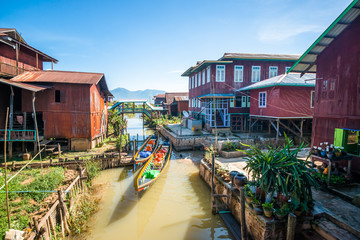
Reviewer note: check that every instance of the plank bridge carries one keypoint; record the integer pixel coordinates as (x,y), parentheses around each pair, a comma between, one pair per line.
(136,106)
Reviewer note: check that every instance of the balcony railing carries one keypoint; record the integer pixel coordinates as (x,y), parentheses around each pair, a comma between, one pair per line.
(18,135)
(10,70)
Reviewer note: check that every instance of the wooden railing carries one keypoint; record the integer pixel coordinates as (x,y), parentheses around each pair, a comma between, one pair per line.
(18,135)
(10,70)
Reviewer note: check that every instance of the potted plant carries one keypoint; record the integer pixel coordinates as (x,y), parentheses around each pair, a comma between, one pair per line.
(337,151)
(268,209)
(282,212)
(256,202)
(248,194)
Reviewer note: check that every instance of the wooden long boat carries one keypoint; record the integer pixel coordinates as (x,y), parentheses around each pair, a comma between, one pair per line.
(154,167)
(153,141)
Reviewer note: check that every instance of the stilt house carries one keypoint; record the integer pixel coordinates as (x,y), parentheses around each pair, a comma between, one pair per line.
(335,57)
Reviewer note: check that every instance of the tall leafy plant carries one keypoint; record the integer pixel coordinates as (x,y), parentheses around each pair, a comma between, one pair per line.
(279,169)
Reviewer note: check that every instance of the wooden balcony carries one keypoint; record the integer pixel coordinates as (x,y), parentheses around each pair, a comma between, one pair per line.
(8,70)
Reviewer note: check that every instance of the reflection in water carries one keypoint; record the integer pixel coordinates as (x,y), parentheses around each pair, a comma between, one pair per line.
(176,206)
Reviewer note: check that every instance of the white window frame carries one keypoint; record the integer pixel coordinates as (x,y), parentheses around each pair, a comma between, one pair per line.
(287,69)
(255,69)
(196,80)
(248,101)
(199,77)
(220,73)
(238,73)
(312,97)
(208,72)
(273,71)
(243,101)
(203,77)
(262,102)
(192,82)
(189,82)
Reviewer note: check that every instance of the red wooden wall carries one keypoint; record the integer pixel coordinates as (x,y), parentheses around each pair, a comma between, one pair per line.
(27,58)
(283,102)
(338,106)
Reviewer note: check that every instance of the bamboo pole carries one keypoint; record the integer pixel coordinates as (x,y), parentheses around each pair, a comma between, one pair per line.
(6,186)
(213,206)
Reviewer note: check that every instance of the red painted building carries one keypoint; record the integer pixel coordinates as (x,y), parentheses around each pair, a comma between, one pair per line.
(16,56)
(68,105)
(179,104)
(171,108)
(219,79)
(335,57)
(286,101)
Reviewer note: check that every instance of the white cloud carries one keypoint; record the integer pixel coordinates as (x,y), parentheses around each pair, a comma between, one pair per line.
(280,32)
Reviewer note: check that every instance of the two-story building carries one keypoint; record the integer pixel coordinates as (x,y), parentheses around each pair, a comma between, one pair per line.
(212,86)
(16,56)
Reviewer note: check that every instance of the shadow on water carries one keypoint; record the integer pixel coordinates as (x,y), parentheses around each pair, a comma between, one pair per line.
(212,223)
(128,199)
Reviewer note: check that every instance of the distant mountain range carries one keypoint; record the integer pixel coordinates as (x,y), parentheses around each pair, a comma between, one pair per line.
(123,93)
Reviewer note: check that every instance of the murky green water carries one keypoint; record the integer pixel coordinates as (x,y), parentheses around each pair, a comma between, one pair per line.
(176,206)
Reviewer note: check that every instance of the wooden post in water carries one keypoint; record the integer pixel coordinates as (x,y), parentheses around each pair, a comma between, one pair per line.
(120,145)
(59,150)
(291,225)
(242,214)
(213,203)
(6,186)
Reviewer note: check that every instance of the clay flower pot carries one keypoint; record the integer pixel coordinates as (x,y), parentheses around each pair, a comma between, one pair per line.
(240,180)
(248,199)
(268,213)
(280,217)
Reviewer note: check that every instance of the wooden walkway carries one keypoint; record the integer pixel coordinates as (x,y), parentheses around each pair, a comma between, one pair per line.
(231,223)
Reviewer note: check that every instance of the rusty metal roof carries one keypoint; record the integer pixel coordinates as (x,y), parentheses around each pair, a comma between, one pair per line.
(51,76)
(26,86)
(307,62)
(171,95)
(59,77)
(162,95)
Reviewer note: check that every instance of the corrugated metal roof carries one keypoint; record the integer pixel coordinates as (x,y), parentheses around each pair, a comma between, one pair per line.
(59,77)
(26,86)
(307,62)
(291,79)
(51,76)
(171,95)
(181,98)
(201,65)
(160,95)
(256,56)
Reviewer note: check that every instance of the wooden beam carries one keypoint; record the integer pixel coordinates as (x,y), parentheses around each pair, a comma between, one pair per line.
(277,130)
(37,60)
(295,125)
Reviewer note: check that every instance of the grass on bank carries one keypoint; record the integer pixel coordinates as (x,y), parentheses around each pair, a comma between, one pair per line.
(23,205)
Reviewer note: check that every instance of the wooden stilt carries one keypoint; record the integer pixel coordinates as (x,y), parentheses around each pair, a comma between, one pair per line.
(52,225)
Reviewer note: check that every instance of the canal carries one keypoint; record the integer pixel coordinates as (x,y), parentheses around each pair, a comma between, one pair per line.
(177,206)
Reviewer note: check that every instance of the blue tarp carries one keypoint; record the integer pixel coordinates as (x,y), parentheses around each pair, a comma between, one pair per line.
(144,154)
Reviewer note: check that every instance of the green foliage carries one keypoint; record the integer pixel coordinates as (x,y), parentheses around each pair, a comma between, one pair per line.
(124,139)
(334,179)
(93,169)
(21,203)
(229,146)
(82,210)
(280,170)
(116,123)
(268,206)
(283,211)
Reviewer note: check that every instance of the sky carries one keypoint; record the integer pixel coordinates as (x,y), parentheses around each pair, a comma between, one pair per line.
(149,44)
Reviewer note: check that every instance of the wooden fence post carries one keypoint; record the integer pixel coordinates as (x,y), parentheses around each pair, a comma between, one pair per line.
(64,211)
(291,225)
(242,214)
